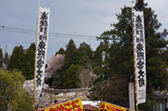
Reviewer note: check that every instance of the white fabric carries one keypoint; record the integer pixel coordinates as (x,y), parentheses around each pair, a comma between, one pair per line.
(140,56)
(41,48)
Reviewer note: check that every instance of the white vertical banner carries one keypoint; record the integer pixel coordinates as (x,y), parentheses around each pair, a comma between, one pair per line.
(41,48)
(140,56)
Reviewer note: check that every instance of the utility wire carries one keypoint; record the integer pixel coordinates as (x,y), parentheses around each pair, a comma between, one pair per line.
(53,34)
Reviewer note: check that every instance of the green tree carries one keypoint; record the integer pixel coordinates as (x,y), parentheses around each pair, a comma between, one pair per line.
(12,94)
(23,60)
(84,58)
(61,51)
(164,55)
(70,54)
(100,67)
(84,54)
(88,50)
(71,79)
(70,58)
(29,62)
(155,41)
(97,58)
(1,58)
(121,51)
(17,60)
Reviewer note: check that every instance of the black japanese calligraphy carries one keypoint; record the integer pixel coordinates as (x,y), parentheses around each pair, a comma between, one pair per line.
(140,49)
(41,48)
(140,64)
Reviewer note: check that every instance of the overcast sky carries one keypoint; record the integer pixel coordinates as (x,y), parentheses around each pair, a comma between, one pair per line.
(86,18)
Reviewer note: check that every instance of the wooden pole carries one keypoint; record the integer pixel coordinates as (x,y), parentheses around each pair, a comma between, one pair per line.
(35,57)
(136,94)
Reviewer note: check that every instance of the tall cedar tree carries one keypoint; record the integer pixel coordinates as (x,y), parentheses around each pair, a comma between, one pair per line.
(84,54)
(84,58)
(88,49)
(1,58)
(23,60)
(17,59)
(97,56)
(71,77)
(121,51)
(70,59)
(70,54)
(29,62)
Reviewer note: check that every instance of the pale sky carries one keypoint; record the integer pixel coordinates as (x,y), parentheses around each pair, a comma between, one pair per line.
(86,18)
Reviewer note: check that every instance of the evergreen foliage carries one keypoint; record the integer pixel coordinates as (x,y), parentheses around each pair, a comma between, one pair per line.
(23,60)
(97,58)
(100,67)
(61,51)
(71,77)
(84,59)
(121,52)
(70,54)
(84,54)
(30,60)
(17,60)
(70,60)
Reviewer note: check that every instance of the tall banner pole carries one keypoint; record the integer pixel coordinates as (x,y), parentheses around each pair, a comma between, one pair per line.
(134,58)
(41,50)
(35,56)
(139,56)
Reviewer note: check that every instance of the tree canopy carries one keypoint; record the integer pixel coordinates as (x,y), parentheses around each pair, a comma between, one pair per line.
(84,54)
(61,51)
(17,60)
(12,94)
(70,77)
(29,62)
(23,60)
(70,54)
(121,50)
(70,64)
